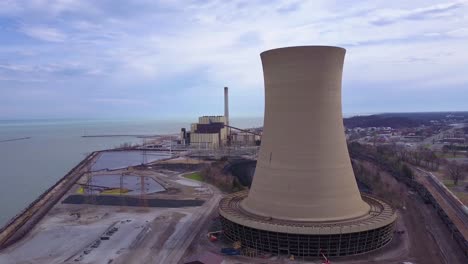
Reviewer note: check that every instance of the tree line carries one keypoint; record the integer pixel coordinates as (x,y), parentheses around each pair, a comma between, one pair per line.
(396,157)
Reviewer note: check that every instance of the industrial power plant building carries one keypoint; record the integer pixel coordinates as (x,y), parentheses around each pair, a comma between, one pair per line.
(213,132)
(304,199)
(210,132)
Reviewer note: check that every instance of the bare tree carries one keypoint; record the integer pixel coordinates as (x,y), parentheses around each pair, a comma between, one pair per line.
(431,159)
(402,153)
(445,149)
(453,148)
(455,172)
(417,157)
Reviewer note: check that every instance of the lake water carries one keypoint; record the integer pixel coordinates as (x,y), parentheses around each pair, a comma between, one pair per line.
(29,167)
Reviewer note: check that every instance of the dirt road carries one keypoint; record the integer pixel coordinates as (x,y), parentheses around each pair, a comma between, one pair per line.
(169,236)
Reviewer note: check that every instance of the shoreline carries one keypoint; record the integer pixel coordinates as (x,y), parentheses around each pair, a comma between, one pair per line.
(14,139)
(19,225)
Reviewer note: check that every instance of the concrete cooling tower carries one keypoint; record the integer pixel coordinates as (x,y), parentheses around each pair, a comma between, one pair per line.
(304,199)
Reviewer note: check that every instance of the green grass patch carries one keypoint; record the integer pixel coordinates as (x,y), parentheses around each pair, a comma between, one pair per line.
(194,176)
(450,155)
(448,183)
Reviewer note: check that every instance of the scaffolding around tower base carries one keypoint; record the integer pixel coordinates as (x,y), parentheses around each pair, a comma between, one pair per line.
(339,238)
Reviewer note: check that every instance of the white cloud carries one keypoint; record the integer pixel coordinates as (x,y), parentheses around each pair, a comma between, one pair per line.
(388,16)
(44,33)
(459,32)
(224,39)
(8,7)
(119,101)
(204,44)
(212,41)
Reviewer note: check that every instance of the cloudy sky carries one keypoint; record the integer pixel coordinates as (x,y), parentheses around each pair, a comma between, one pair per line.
(171,58)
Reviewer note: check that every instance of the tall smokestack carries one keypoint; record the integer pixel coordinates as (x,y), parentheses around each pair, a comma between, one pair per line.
(226,105)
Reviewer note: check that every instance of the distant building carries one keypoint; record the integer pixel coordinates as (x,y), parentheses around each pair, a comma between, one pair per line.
(453,140)
(244,138)
(183,136)
(412,138)
(210,132)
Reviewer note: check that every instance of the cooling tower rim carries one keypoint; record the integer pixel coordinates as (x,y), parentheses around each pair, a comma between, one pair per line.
(381,215)
(266,52)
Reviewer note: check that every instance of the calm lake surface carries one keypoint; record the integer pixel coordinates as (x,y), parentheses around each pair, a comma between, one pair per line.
(28,167)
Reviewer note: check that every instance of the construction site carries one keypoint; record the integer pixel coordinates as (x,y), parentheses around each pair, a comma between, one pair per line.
(116,215)
(216,195)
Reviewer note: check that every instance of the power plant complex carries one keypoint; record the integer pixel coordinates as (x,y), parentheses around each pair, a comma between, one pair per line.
(304,199)
(155,202)
(210,132)
(214,132)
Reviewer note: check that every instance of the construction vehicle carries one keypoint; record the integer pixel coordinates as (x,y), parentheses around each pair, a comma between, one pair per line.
(230,251)
(212,236)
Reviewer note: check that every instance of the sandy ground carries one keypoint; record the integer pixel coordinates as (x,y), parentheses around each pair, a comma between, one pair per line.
(143,235)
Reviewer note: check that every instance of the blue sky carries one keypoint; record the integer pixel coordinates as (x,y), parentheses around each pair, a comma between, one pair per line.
(171,59)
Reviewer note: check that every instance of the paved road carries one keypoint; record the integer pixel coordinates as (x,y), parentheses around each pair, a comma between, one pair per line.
(166,240)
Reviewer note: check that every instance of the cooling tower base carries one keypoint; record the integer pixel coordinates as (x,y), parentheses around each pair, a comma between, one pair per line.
(343,238)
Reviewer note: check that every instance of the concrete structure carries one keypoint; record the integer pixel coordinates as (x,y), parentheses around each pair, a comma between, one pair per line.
(244,139)
(183,136)
(210,132)
(304,198)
